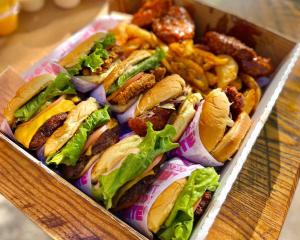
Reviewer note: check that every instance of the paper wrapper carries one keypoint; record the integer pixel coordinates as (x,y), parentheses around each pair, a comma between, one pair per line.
(191,147)
(85,182)
(173,170)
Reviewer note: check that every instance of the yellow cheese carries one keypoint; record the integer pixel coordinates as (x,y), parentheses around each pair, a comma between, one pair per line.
(25,132)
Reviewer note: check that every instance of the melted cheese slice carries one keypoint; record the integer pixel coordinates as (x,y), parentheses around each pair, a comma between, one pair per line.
(25,132)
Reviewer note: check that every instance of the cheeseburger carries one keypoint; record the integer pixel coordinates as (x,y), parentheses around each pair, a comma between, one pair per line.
(39,107)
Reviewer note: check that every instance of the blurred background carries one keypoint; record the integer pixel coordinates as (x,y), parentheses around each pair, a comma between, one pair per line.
(36,14)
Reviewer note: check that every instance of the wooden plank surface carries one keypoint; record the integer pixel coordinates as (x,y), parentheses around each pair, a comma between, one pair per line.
(257,205)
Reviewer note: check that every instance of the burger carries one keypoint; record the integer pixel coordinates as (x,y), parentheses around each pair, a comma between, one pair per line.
(223,123)
(91,61)
(127,163)
(168,101)
(130,78)
(39,107)
(79,132)
(217,129)
(101,139)
(175,200)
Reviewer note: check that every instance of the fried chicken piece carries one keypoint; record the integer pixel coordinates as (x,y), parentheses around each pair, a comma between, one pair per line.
(257,67)
(157,116)
(175,26)
(159,73)
(247,58)
(132,88)
(151,10)
(237,101)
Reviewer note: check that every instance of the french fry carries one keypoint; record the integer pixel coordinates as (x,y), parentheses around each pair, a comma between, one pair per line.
(252,84)
(237,83)
(209,57)
(212,79)
(249,101)
(135,31)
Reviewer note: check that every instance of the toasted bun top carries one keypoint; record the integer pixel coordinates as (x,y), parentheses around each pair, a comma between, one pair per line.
(25,93)
(133,59)
(82,49)
(170,87)
(164,204)
(113,157)
(233,138)
(214,118)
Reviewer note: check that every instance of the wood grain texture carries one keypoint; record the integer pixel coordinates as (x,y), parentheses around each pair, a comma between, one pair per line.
(256,206)
(59,211)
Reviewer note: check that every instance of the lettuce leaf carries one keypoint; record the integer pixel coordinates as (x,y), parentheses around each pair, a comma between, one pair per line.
(147,64)
(179,224)
(60,86)
(96,56)
(153,144)
(70,153)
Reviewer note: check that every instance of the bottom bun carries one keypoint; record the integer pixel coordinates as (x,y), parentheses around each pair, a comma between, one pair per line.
(232,139)
(164,204)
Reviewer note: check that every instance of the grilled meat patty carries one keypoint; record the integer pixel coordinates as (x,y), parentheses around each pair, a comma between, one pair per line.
(46,130)
(106,139)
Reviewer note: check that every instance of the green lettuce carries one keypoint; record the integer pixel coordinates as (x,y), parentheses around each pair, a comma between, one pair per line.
(153,144)
(96,56)
(147,64)
(179,224)
(70,153)
(60,86)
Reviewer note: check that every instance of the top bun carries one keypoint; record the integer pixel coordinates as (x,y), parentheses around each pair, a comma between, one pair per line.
(164,204)
(170,87)
(214,118)
(80,50)
(25,93)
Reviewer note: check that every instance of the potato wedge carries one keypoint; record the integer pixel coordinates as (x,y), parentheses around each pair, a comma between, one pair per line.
(226,73)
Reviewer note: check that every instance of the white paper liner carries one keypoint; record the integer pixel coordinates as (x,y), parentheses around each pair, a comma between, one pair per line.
(173,170)
(5,128)
(129,113)
(100,95)
(191,147)
(84,183)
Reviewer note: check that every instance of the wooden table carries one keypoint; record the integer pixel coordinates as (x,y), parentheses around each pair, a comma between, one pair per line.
(258,203)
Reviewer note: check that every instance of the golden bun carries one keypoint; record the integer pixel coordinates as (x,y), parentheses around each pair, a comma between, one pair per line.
(170,87)
(80,50)
(214,118)
(25,93)
(164,204)
(185,114)
(233,138)
(133,59)
(113,157)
